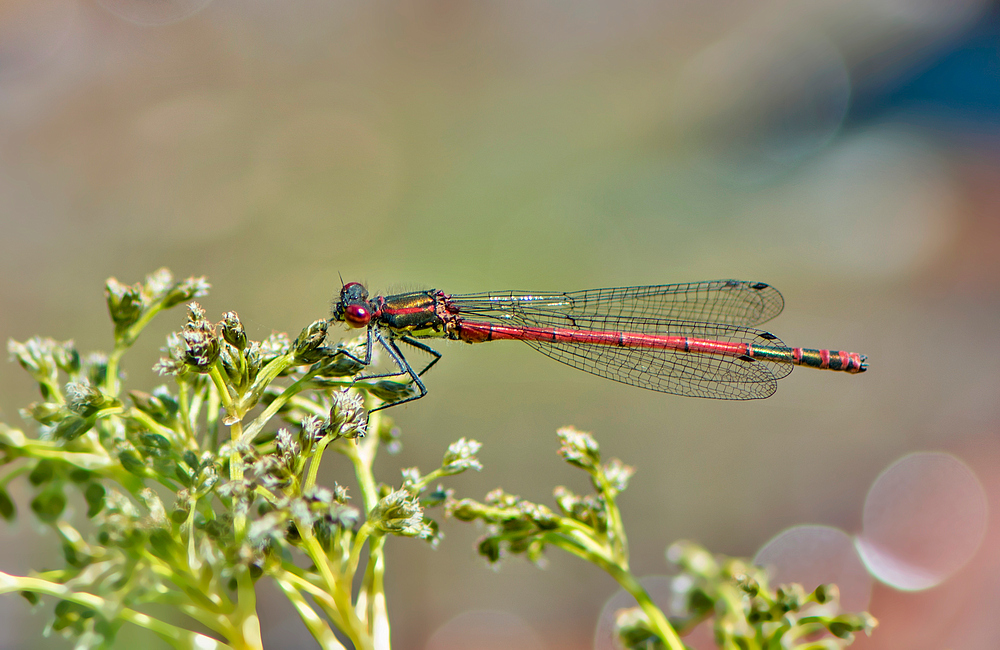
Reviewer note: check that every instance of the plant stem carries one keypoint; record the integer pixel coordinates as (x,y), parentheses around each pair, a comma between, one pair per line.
(316,625)
(657,620)
(354,627)
(176,636)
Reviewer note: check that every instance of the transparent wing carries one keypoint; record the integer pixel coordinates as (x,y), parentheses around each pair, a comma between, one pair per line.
(731,302)
(678,372)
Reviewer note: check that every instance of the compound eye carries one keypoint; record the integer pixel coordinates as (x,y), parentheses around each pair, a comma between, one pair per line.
(353,291)
(357,315)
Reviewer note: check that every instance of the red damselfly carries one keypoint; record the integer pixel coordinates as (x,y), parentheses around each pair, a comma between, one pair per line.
(696,339)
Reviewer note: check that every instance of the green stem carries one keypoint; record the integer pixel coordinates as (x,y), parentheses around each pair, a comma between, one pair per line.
(214,401)
(122,344)
(362,455)
(151,424)
(111,386)
(257,425)
(235,416)
(294,576)
(176,636)
(316,625)
(205,600)
(246,611)
(661,626)
(183,402)
(354,627)
(378,615)
(359,542)
(616,527)
(314,464)
(220,384)
(582,537)
(264,378)
(14,473)
(309,405)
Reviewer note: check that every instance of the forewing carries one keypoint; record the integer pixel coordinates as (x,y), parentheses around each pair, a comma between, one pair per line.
(730,302)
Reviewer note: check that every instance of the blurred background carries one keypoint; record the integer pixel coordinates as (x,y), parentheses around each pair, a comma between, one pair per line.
(845,152)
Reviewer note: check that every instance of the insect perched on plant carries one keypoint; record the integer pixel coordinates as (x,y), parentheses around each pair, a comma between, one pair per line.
(696,339)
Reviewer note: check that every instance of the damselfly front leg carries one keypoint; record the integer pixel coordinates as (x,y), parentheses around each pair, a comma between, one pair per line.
(403,366)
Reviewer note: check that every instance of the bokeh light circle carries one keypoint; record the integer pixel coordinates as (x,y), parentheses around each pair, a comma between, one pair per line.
(667,592)
(813,555)
(154,12)
(924,518)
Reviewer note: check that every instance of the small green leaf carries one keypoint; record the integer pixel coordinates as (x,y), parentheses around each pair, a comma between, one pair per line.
(94,495)
(152,440)
(72,427)
(489,548)
(162,544)
(132,464)
(43,472)
(49,504)
(179,515)
(7,508)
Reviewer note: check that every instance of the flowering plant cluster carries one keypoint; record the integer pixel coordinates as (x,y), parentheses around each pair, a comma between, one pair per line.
(204,486)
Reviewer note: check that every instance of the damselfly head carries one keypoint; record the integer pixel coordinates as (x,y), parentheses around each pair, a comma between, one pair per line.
(353,308)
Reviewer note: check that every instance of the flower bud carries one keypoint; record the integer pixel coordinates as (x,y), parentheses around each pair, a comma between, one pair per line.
(67,357)
(201,344)
(399,513)
(308,347)
(125,303)
(633,629)
(85,400)
(347,415)
(276,345)
(826,593)
(45,412)
(37,356)
(618,474)
(461,455)
(95,365)
(132,464)
(436,497)
(844,625)
(579,448)
(232,330)
(185,290)
(465,509)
